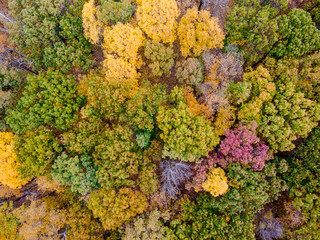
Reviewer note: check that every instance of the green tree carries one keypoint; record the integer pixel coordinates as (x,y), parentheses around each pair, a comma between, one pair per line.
(290,115)
(112,11)
(185,137)
(304,185)
(118,157)
(77,171)
(82,138)
(253,26)
(260,29)
(49,99)
(116,207)
(36,152)
(50,33)
(8,222)
(297,35)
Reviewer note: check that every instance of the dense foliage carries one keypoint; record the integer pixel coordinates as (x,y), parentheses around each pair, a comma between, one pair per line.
(49,99)
(159,119)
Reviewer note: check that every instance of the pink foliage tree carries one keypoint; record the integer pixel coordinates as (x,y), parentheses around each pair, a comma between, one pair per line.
(242,145)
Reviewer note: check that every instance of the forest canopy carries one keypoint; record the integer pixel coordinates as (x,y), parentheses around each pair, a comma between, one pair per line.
(159,119)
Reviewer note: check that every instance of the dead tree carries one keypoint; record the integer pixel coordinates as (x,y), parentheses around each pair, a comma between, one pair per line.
(10,58)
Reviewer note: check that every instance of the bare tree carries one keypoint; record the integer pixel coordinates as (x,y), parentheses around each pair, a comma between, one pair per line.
(217,8)
(10,58)
(173,176)
(5,17)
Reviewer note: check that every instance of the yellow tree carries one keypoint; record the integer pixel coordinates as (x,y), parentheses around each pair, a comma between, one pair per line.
(158,19)
(120,72)
(91,25)
(124,40)
(42,219)
(121,45)
(216,183)
(9,175)
(198,31)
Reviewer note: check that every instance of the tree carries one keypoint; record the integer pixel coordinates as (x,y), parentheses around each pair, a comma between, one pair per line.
(253,26)
(121,73)
(174,174)
(190,72)
(8,222)
(231,215)
(114,208)
(158,19)
(263,31)
(82,138)
(36,152)
(302,178)
(49,99)
(42,219)
(50,33)
(91,25)
(124,40)
(185,137)
(198,32)
(118,168)
(149,226)
(81,224)
(112,12)
(262,89)
(77,171)
(216,182)
(242,145)
(9,164)
(290,115)
(297,35)
(97,17)
(304,73)
(103,100)
(160,57)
